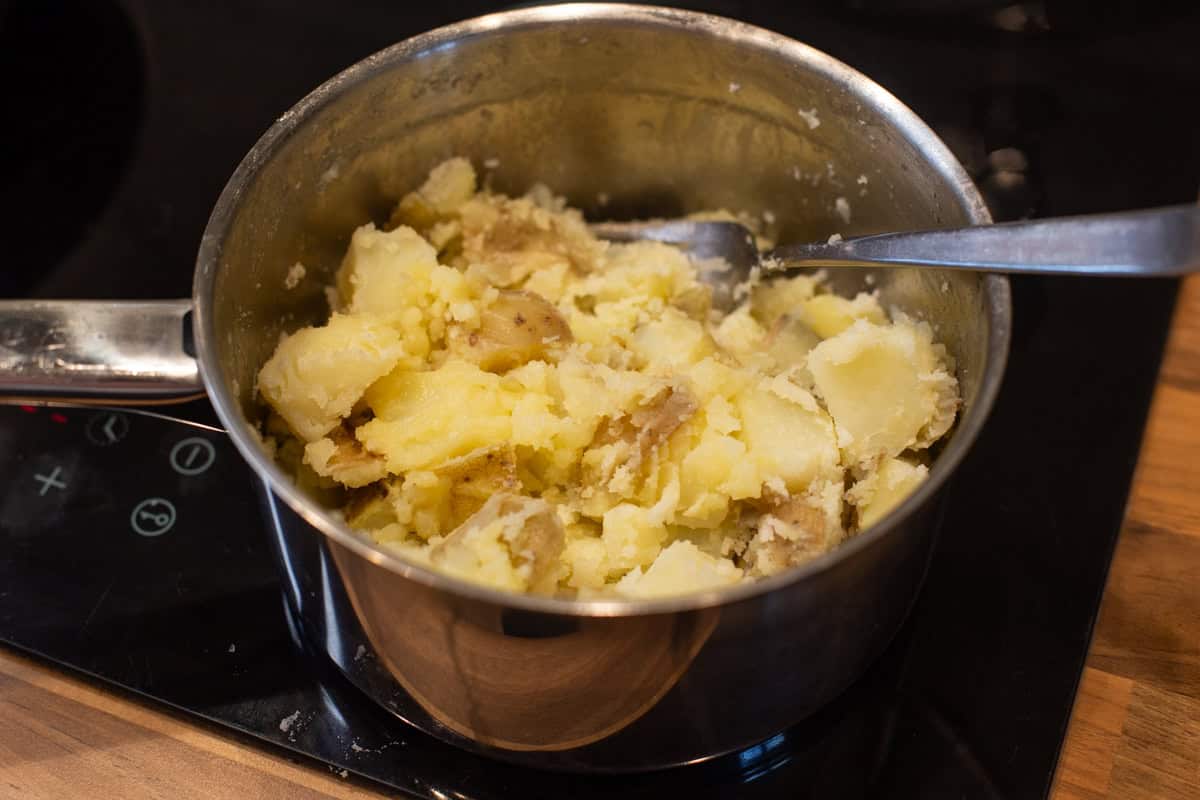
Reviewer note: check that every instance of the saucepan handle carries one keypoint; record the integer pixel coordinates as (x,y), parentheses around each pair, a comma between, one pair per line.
(98,351)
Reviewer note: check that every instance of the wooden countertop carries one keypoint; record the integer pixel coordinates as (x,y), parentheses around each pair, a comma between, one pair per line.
(1135,732)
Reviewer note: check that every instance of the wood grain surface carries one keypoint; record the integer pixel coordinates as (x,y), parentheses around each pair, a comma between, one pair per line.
(1135,731)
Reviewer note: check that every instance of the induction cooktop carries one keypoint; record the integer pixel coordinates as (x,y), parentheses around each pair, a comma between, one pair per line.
(132,547)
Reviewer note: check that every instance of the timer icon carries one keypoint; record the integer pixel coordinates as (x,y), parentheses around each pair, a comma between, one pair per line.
(154,516)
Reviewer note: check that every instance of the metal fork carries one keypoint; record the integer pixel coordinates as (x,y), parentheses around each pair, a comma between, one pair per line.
(1147,243)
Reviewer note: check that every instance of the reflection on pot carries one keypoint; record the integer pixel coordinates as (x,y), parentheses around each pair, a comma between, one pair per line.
(517,679)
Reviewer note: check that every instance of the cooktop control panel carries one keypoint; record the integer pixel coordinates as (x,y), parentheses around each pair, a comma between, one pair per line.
(102,464)
(113,522)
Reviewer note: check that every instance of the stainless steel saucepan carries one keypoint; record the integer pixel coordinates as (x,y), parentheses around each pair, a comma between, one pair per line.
(627,110)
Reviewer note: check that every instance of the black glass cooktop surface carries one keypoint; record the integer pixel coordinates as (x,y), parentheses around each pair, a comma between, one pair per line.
(132,548)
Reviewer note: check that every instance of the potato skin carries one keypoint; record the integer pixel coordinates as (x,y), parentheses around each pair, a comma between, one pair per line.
(517,328)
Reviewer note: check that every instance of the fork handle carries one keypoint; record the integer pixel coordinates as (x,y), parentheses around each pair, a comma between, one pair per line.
(1153,242)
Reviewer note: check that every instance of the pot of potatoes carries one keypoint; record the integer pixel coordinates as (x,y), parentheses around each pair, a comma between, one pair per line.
(530,490)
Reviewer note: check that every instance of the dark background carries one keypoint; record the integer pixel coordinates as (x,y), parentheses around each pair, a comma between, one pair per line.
(122,122)
(1100,98)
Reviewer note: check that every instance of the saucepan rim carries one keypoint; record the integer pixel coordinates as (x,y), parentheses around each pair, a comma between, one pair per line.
(903,120)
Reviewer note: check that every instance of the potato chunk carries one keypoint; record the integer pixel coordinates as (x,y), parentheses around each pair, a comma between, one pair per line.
(478,476)
(632,537)
(885,488)
(316,375)
(740,334)
(886,386)
(370,507)
(792,531)
(789,343)
(770,301)
(787,438)
(828,314)
(517,328)
(385,272)
(425,419)
(627,441)
(508,239)
(342,457)
(672,340)
(680,568)
(449,185)
(715,470)
(512,542)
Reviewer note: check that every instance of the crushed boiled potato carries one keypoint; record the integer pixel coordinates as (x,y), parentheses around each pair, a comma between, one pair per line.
(505,398)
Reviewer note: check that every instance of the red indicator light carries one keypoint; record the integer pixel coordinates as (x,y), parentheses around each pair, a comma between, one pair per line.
(29,409)
(59,418)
